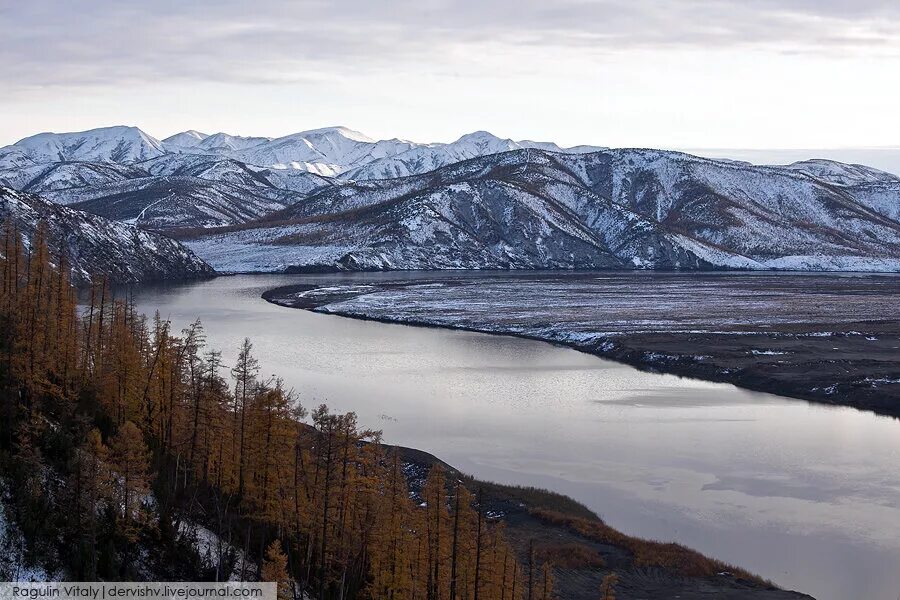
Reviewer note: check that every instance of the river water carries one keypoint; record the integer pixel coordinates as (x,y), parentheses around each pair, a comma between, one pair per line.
(805,495)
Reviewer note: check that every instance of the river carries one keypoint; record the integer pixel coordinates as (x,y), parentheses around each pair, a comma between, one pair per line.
(803,494)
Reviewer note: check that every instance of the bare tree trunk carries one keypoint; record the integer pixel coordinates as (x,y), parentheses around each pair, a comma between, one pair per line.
(455,552)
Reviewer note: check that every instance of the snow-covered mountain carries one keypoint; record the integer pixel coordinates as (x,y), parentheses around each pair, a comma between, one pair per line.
(178,202)
(429,157)
(45,178)
(96,246)
(842,173)
(335,198)
(226,144)
(885,158)
(612,209)
(231,171)
(172,191)
(329,151)
(193,180)
(220,179)
(185,139)
(119,144)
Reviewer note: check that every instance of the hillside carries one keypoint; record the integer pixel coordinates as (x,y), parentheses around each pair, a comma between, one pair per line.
(529,209)
(94,245)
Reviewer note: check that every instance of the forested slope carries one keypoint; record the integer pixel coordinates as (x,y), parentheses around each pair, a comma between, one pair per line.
(126,455)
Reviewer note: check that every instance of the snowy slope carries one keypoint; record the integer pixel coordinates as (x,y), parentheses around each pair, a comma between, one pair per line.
(118,144)
(841,173)
(184,190)
(227,170)
(13,561)
(882,198)
(225,144)
(885,158)
(57,176)
(98,246)
(178,202)
(327,151)
(536,209)
(763,214)
(183,140)
(424,158)
(14,158)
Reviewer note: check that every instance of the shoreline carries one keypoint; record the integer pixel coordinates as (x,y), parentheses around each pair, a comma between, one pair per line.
(660,569)
(587,549)
(663,353)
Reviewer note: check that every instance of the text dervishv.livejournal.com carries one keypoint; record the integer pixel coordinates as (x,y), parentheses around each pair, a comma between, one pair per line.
(143,591)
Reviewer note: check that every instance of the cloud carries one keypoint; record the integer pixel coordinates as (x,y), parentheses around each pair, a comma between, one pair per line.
(64,43)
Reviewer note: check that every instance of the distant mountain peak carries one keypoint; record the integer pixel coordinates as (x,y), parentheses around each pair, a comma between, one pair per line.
(226,142)
(186,139)
(479,135)
(108,131)
(350,134)
(841,173)
(119,143)
(328,151)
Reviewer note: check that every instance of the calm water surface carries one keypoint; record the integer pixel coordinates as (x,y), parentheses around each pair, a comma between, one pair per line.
(805,495)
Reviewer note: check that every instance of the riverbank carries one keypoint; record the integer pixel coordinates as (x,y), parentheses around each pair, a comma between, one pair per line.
(798,492)
(834,344)
(585,550)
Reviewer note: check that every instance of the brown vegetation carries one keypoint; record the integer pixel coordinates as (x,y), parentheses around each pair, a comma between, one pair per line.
(646,553)
(137,434)
(569,556)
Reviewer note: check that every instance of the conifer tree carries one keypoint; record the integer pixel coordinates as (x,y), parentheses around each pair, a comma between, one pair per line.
(437,528)
(92,488)
(608,587)
(274,569)
(547,583)
(244,373)
(130,459)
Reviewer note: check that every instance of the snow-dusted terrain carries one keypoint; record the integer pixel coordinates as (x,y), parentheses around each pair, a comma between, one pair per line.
(334,198)
(118,144)
(172,191)
(826,337)
(95,245)
(328,151)
(115,172)
(13,565)
(428,157)
(629,209)
(186,139)
(179,201)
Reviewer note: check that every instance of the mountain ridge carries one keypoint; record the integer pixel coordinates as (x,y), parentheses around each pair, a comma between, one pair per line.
(611,209)
(96,246)
(120,144)
(333,198)
(325,150)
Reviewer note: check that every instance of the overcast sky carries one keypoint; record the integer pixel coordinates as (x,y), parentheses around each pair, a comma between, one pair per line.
(662,73)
